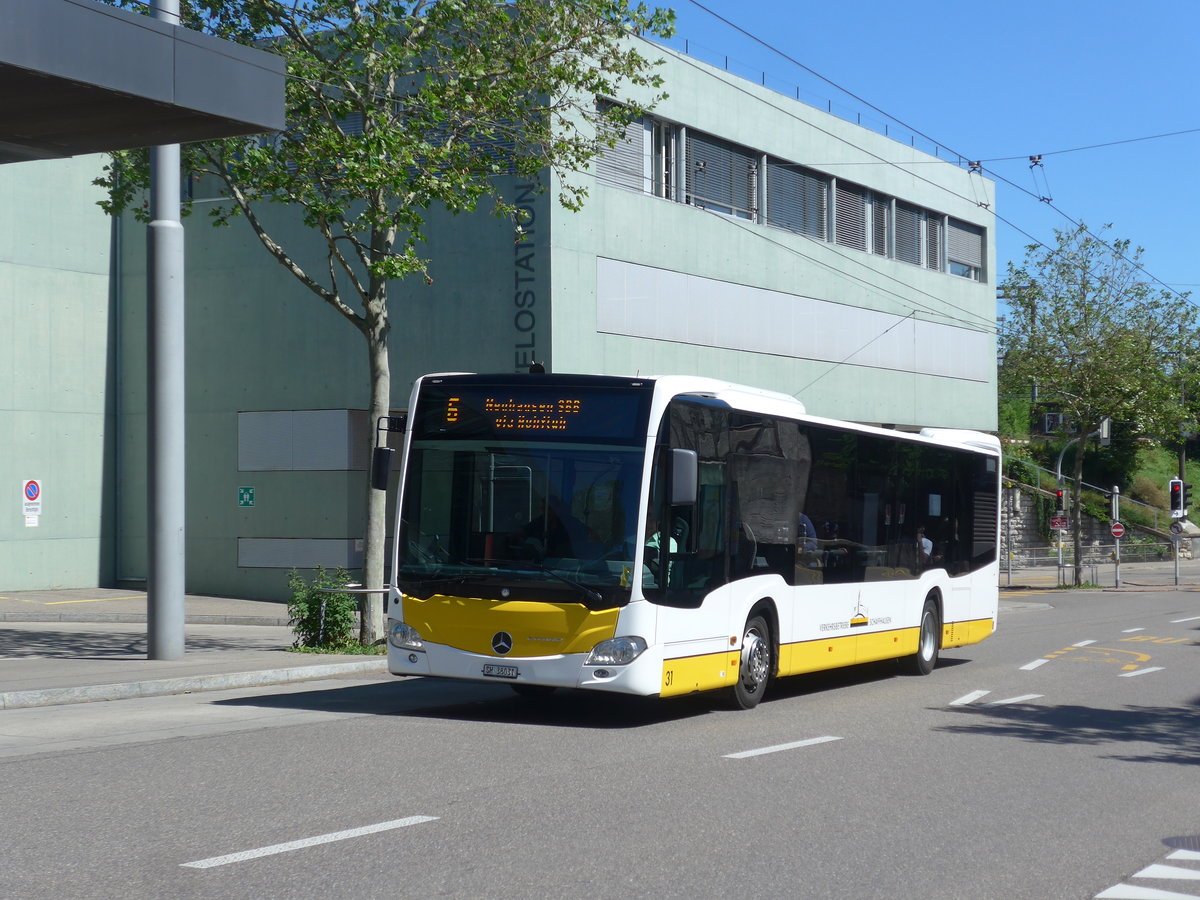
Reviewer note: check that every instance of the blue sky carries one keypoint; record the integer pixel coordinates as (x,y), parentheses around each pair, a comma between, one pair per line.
(1000,82)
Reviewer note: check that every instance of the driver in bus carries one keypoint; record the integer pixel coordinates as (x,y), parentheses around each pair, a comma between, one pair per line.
(654,544)
(552,534)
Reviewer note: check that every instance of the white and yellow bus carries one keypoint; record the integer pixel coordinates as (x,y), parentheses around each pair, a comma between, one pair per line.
(662,536)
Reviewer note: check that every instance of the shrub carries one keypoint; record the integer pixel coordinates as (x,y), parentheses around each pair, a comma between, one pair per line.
(1150,490)
(320,618)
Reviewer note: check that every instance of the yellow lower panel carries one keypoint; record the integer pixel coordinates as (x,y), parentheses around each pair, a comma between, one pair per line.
(887,644)
(959,634)
(699,673)
(813,656)
(537,629)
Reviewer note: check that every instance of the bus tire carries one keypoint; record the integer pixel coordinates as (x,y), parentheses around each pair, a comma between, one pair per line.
(755,666)
(928,641)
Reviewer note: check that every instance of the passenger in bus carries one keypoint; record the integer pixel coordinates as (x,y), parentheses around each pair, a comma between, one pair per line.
(807,546)
(924,548)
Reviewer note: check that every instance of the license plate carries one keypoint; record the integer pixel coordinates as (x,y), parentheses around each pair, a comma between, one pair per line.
(500,671)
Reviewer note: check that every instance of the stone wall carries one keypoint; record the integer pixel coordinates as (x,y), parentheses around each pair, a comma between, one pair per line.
(1031,544)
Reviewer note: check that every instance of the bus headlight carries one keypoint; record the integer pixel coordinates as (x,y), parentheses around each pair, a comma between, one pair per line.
(405,637)
(619,651)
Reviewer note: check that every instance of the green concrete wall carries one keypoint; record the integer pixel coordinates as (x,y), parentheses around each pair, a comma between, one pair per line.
(56,342)
(257,340)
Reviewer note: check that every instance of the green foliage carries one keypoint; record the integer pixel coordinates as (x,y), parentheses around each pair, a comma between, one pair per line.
(1095,338)
(398,107)
(1014,418)
(1088,335)
(394,108)
(320,619)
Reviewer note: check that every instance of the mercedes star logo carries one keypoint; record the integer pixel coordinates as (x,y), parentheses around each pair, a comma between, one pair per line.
(501,642)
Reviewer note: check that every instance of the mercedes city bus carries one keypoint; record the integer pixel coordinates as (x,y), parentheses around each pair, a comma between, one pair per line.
(662,536)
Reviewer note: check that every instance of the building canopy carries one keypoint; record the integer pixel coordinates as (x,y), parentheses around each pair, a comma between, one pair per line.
(77,76)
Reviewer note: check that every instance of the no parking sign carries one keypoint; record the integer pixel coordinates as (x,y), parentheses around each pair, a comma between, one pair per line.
(31,500)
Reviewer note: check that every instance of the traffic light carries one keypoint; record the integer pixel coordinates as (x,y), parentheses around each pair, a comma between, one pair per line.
(1175,487)
(1187,499)
(1058,501)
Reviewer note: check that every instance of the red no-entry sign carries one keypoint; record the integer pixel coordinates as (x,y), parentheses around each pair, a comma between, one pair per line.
(1118,530)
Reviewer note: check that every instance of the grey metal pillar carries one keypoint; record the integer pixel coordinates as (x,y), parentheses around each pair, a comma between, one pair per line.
(165,317)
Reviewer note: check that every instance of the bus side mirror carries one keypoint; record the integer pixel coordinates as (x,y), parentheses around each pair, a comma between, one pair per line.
(685,477)
(381,467)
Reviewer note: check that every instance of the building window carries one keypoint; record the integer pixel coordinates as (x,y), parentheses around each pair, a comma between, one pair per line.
(861,219)
(797,199)
(881,208)
(850,215)
(933,241)
(964,250)
(674,162)
(665,152)
(908,233)
(624,164)
(721,176)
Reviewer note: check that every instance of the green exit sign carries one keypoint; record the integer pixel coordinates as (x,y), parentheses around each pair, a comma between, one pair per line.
(245,496)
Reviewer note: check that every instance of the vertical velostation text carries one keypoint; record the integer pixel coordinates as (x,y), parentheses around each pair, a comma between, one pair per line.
(525,281)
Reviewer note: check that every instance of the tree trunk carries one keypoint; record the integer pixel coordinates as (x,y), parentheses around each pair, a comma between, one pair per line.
(374,541)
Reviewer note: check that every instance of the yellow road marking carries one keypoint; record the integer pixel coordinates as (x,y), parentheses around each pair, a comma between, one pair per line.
(95,600)
(1087,654)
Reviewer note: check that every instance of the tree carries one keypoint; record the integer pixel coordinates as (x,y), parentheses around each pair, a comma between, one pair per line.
(1097,340)
(395,108)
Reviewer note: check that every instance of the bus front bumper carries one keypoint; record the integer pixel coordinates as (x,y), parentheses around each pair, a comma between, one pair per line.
(643,676)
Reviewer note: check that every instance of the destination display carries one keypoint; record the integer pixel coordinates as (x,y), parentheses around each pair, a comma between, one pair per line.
(529,412)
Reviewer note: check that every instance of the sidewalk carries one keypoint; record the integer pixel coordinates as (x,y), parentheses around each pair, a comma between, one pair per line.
(1154,576)
(82,645)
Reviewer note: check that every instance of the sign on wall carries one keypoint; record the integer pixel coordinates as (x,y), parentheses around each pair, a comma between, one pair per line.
(31,501)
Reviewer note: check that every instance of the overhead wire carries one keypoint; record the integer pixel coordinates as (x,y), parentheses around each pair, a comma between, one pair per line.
(975,162)
(902,165)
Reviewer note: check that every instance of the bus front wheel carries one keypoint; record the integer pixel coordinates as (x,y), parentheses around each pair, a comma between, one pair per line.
(754,670)
(928,641)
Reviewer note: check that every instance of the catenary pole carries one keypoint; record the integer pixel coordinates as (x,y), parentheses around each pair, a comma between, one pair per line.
(165,337)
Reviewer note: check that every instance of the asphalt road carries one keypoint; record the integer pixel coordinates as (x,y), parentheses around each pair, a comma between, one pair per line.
(1058,759)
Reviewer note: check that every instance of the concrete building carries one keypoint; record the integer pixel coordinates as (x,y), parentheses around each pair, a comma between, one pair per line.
(78,77)
(735,233)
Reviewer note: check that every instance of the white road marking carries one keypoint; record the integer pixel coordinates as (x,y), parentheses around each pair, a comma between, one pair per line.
(1133,892)
(969,698)
(1028,667)
(1184,854)
(1188,619)
(1083,643)
(1020,699)
(305,842)
(1160,871)
(1141,671)
(1132,630)
(778,747)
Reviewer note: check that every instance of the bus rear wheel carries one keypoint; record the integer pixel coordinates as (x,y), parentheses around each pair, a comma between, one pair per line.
(928,641)
(757,662)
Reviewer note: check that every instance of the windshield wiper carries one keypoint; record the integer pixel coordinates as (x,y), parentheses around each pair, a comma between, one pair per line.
(590,594)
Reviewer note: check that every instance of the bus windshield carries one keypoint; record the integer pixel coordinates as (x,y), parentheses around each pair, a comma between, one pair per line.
(557,518)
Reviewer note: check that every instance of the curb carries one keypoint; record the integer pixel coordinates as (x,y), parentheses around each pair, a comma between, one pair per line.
(138,618)
(184,684)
